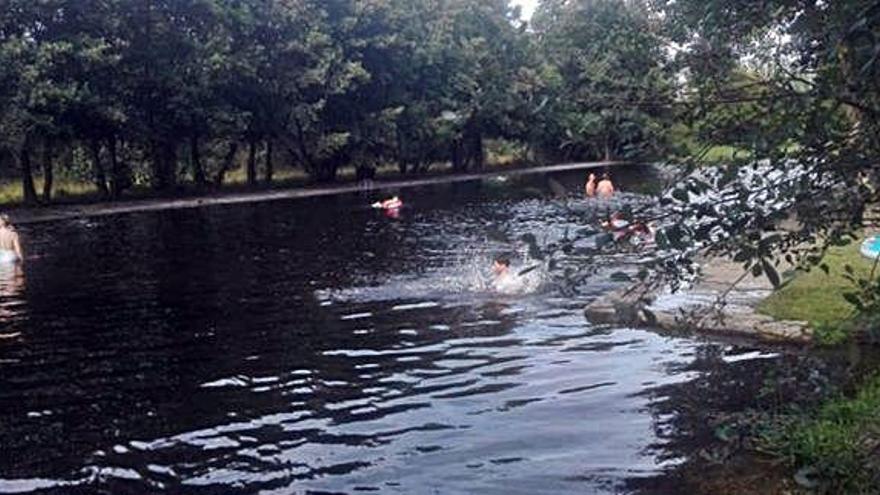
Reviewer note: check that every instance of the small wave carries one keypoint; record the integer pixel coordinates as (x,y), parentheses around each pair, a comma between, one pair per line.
(469,276)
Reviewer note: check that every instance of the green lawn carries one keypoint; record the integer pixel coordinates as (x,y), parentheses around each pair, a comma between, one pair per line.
(817,297)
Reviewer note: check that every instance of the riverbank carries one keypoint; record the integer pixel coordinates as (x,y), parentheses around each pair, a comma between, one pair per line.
(831,445)
(836,448)
(31,215)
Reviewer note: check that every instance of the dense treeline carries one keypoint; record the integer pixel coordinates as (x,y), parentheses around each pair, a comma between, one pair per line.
(163,92)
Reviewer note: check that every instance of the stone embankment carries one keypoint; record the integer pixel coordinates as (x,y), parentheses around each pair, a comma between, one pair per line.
(723,301)
(26,215)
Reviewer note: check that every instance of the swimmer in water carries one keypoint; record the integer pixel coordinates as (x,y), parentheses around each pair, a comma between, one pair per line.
(501,266)
(504,280)
(10,244)
(590,187)
(641,233)
(618,225)
(389,204)
(605,188)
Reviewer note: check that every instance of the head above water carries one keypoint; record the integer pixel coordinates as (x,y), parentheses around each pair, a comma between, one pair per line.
(500,265)
(4,220)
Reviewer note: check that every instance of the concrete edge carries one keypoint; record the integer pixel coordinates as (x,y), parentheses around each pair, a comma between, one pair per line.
(66,212)
(629,306)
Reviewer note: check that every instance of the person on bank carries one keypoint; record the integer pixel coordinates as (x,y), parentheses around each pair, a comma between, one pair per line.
(605,188)
(590,187)
(10,243)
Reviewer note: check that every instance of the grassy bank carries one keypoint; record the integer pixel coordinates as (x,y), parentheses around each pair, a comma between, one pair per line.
(837,448)
(71,190)
(818,297)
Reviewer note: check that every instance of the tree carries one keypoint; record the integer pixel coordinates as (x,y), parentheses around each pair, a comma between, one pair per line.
(607,77)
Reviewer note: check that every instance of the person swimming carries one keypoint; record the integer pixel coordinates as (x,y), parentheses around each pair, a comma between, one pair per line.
(10,243)
(392,203)
(504,280)
(590,186)
(605,188)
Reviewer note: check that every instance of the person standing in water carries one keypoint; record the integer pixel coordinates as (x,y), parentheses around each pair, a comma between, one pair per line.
(590,187)
(605,188)
(10,244)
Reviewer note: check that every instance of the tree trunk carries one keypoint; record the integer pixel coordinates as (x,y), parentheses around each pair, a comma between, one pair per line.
(401,154)
(118,177)
(252,163)
(458,163)
(198,170)
(27,179)
(48,170)
(307,162)
(164,164)
(326,171)
(100,177)
(478,152)
(270,170)
(226,165)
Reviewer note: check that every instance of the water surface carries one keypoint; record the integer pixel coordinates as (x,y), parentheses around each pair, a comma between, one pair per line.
(322,346)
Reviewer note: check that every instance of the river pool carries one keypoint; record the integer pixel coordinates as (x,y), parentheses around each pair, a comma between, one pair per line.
(320,346)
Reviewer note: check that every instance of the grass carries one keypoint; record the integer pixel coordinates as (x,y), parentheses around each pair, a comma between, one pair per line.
(724,154)
(816,296)
(835,446)
(836,443)
(11,191)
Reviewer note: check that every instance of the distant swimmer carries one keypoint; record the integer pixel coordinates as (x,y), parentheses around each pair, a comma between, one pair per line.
(590,187)
(605,188)
(641,233)
(618,225)
(389,204)
(10,244)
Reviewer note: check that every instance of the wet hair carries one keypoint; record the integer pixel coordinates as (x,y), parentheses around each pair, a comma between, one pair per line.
(4,219)
(502,260)
(606,175)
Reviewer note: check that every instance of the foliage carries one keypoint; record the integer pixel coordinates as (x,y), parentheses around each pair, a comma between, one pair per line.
(833,447)
(168,91)
(607,80)
(794,83)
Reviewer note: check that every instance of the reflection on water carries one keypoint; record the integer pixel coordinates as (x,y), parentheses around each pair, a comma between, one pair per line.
(320,345)
(11,285)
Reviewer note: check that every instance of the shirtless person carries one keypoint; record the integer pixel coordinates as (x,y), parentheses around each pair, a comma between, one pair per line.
(590,187)
(504,280)
(10,245)
(605,188)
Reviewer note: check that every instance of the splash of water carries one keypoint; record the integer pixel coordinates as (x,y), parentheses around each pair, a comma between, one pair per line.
(469,274)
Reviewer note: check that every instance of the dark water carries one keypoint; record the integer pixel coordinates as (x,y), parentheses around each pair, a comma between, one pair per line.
(320,346)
